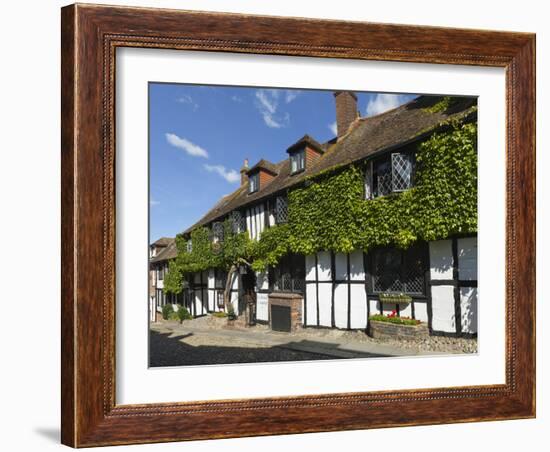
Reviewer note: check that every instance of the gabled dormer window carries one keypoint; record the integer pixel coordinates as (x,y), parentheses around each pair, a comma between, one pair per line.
(253,183)
(297,161)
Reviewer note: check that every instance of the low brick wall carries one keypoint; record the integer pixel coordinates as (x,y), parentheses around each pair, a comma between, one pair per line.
(388,330)
(293,301)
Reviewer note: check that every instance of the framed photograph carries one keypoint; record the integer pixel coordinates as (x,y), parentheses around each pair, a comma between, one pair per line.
(270,231)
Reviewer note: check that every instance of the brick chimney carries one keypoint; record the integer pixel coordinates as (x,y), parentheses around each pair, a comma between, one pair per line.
(346,111)
(244,170)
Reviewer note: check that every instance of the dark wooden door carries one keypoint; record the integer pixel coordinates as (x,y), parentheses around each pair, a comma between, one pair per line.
(280,318)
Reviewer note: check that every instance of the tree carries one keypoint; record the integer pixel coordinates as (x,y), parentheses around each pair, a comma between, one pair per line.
(227,253)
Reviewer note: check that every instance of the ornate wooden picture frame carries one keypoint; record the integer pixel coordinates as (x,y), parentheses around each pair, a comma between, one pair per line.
(90,37)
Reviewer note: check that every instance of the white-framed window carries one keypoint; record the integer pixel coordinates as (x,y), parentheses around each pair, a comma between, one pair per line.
(253,183)
(189,246)
(297,161)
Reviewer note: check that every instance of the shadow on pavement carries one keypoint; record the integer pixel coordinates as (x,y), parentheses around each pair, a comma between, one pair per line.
(166,349)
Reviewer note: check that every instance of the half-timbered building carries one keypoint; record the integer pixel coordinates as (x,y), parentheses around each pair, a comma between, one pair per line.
(337,290)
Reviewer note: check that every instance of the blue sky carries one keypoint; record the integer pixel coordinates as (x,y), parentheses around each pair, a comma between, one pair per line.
(200,135)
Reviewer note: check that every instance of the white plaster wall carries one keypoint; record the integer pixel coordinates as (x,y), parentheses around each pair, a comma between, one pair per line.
(260,216)
(374,307)
(211,292)
(325,314)
(441,259)
(467,258)
(357,272)
(262,281)
(443,309)
(341,305)
(211,279)
(421,311)
(262,312)
(248,223)
(468,306)
(311,300)
(341,266)
(235,293)
(255,221)
(323,266)
(358,306)
(310,267)
(199,302)
(405,310)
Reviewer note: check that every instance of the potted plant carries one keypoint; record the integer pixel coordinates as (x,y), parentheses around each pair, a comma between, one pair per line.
(231,316)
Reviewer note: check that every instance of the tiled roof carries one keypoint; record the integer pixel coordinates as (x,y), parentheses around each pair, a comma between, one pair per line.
(266,165)
(167,253)
(365,137)
(163,241)
(306,139)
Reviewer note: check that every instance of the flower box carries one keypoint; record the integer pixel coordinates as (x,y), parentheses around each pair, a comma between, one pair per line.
(394,298)
(388,330)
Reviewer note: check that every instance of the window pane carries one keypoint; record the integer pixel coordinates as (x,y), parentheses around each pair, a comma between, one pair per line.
(281,210)
(395,270)
(383,177)
(288,275)
(401,171)
(368,181)
(414,264)
(297,161)
(386,271)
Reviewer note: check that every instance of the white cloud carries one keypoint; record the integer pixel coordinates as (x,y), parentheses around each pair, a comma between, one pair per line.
(236,99)
(230,175)
(186,99)
(153,202)
(332,128)
(267,102)
(384,102)
(290,95)
(181,143)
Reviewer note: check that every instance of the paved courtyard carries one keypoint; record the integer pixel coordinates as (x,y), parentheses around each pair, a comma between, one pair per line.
(207,341)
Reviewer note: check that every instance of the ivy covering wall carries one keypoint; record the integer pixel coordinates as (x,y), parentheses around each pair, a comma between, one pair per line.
(329,212)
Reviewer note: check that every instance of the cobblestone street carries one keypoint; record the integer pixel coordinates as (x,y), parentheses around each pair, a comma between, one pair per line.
(206,340)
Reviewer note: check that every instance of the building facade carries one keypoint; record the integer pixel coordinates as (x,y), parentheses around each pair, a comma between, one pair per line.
(161,252)
(331,289)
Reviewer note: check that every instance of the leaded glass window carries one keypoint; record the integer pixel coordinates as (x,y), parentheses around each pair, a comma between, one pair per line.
(289,274)
(401,171)
(217,231)
(281,209)
(389,174)
(220,279)
(395,270)
(238,222)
